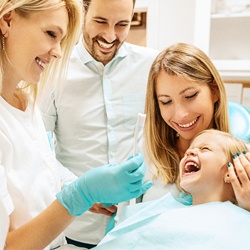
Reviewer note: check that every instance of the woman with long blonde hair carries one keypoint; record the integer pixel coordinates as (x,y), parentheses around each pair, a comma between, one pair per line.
(185,95)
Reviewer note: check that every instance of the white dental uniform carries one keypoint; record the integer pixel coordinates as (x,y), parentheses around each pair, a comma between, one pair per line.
(30,174)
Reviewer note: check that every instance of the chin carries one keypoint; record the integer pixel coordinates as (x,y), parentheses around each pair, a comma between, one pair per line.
(186,185)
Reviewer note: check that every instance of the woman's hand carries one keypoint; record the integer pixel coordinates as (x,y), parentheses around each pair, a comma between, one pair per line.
(98,208)
(240,179)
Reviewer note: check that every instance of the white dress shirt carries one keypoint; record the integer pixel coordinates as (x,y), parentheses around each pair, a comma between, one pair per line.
(93,115)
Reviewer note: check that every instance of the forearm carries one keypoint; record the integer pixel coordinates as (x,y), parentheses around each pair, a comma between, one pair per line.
(42,230)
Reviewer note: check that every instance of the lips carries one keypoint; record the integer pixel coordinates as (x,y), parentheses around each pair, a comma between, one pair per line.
(105,45)
(187,125)
(190,167)
(40,62)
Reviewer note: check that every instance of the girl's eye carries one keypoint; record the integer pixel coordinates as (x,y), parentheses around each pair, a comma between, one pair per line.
(51,34)
(192,96)
(205,148)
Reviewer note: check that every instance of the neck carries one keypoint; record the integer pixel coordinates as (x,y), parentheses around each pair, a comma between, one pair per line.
(15,98)
(213,196)
(182,145)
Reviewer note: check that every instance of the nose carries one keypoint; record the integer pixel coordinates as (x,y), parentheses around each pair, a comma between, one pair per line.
(191,152)
(56,51)
(109,34)
(181,112)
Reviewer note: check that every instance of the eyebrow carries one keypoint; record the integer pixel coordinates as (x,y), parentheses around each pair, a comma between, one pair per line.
(59,29)
(105,19)
(183,91)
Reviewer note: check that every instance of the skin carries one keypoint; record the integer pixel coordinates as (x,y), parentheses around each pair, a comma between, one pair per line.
(206,181)
(239,178)
(187,107)
(106,26)
(27,61)
(45,30)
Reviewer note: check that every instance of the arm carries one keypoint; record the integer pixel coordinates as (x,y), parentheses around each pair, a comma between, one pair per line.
(43,229)
(106,184)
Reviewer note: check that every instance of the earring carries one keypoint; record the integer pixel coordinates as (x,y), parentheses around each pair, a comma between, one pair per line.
(3,40)
(3,43)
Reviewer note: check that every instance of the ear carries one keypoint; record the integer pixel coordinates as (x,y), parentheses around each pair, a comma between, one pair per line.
(5,21)
(215,92)
(227,178)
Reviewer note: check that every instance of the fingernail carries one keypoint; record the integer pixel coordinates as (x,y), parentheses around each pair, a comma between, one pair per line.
(234,156)
(229,164)
(238,153)
(244,152)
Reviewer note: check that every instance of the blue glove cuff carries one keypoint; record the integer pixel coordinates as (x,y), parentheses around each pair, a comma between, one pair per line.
(73,199)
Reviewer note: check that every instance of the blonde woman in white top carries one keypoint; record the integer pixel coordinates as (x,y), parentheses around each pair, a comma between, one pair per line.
(34,35)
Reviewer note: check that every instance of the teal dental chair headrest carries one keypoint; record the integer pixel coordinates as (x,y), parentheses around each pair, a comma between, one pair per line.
(239,117)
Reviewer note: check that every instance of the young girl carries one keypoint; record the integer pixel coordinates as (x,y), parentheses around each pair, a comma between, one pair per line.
(209,219)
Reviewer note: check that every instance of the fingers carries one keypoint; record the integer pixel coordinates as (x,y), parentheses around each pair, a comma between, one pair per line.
(98,208)
(133,163)
(242,167)
(138,174)
(146,186)
(245,160)
(139,188)
(239,178)
(234,179)
(111,209)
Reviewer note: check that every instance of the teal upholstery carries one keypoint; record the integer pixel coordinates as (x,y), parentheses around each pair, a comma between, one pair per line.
(239,117)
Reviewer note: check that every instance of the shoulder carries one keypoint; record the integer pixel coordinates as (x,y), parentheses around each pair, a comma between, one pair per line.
(137,50)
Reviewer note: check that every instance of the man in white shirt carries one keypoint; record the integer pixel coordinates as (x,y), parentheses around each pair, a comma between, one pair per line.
(93,113)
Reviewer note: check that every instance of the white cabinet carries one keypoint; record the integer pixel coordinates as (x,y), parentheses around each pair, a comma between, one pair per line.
(225,37)
(229,44)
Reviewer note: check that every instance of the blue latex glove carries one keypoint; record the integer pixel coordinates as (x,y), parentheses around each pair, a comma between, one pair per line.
(113,183)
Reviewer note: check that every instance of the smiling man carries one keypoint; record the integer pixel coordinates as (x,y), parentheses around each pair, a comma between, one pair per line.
(94,112)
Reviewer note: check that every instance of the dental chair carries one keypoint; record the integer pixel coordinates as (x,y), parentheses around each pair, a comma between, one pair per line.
(239,117)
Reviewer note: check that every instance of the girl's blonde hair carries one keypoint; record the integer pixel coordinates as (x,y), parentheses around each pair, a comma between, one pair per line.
(160,140)
(56,67)
(232,145)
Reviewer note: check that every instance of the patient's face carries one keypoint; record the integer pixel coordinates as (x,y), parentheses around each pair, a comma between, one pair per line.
(204,165)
